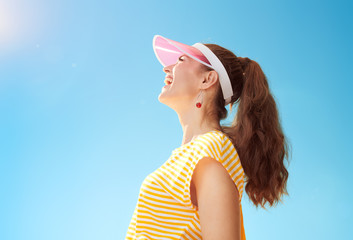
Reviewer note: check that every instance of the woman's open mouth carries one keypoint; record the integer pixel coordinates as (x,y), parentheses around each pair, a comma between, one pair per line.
(168,80)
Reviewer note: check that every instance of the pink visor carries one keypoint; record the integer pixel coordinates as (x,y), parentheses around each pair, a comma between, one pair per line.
(168,51)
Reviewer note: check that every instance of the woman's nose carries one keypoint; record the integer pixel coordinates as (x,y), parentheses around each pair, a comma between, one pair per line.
(167,69)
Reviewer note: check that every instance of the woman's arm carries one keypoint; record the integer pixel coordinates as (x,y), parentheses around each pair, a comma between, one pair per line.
(217,201)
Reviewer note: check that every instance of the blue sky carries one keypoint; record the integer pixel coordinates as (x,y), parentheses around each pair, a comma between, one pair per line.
(81,125)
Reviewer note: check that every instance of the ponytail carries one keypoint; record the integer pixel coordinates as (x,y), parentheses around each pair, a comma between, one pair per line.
(259,139)
(256,131)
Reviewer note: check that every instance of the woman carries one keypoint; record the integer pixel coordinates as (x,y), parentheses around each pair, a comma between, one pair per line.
(196,193)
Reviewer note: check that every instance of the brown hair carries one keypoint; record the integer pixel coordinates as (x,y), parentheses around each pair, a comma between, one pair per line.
(255,132)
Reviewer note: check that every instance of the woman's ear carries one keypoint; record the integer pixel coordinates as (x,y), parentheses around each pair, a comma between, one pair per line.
(210,79)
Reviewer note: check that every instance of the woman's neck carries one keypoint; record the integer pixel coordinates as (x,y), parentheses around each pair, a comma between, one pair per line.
(193,126)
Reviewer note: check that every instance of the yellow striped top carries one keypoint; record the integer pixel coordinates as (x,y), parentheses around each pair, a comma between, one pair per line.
(164,209)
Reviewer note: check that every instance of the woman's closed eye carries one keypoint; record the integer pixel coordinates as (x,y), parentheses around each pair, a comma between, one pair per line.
(181,59)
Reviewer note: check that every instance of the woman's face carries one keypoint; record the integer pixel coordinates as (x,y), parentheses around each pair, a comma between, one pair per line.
(186,77)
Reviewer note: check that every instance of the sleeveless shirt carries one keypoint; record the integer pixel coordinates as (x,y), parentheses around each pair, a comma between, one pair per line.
(164,209)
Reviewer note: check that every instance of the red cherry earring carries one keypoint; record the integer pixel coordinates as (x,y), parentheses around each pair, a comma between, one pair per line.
(199,104)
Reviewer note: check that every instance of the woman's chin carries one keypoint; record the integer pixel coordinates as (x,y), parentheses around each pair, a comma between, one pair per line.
(161,97)
(163,91)
(164,98)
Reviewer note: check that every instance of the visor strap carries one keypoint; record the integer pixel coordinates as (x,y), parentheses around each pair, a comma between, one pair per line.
(218,66)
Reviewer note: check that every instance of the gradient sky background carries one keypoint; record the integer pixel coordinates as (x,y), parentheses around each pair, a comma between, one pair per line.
(81,125)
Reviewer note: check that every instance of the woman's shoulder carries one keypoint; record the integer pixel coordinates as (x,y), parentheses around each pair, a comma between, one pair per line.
(215,139)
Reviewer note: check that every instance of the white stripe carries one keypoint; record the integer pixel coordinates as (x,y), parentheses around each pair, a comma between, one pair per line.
(171,200)
(168,212)
(165,182)
(206,149)
(230,158)
(142,236)
(163,220)
(234,169)
(146,187)
(162,204)
(191,232)
(176,166)
(238,181)
(173,179)
(214,141)
(229,150)
(167,50)
(166,222)
(171,231)
(186,235)
(163,217)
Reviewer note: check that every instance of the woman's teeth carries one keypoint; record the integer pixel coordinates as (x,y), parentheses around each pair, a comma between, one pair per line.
(168,82)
